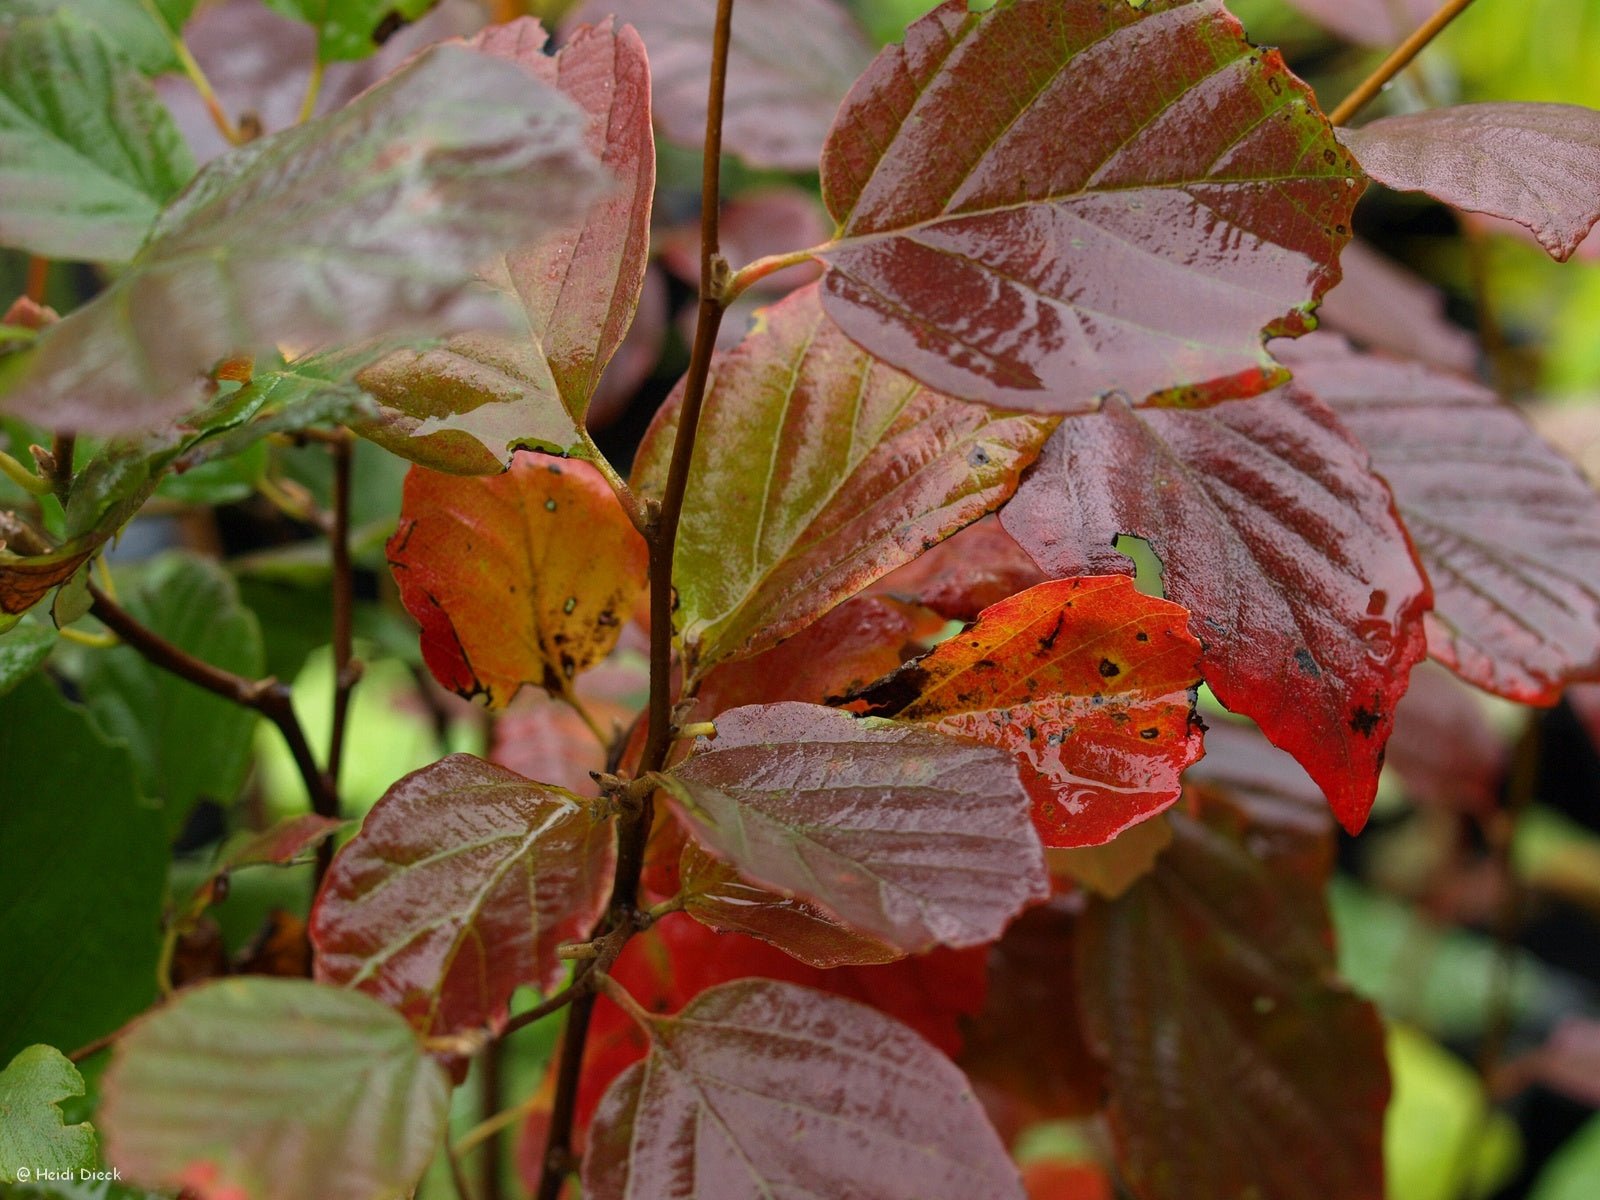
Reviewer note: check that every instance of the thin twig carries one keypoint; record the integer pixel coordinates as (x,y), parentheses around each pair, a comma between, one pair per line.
(266,696)
(463,1192)
(346,670)
(1414,45)
(540,1011)
(757,270)
(661,532)
(191,68)
(490,1092)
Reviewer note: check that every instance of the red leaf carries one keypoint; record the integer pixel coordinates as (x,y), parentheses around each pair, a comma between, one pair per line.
(545,739)
(761,1089)
(965,574)
(1145,197)
(505,588)
(465,405)
(1536,164)
(910,836)
(717,896)
(282,842)
(1508,530)
(1444,748)
(1236,1066)
(1052,1180)
(789,64)
(1087,683)
(462,882)
(817,471)
(773,219)
(677,959)
(1028,1041)
(1277,538)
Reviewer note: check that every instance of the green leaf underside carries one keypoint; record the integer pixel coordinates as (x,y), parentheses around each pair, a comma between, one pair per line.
(88,154)
(307,1090)
(368,220)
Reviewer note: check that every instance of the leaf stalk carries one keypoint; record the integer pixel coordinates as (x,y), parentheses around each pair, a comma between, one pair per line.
(1367,90)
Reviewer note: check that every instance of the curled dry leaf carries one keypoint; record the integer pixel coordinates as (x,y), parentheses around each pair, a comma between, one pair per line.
(1535,164)
(817,470)
(306,1090)
(366,221)
(503,592)
(1145,198)
(905,834)
(741,1097)
(1508,530)
(789,64)
(1090,686)
(462,882)
(1284,547)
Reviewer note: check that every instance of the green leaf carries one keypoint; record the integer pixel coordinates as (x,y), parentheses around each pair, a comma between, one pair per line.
(1572,1172)
(818,470)
(366,221)
(305,1090)
(145,32)
(33,1132)
(22,652)
(344,27)
(195,605)
(74,838)
(88,153)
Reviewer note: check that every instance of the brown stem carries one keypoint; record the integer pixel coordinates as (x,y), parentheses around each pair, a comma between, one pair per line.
(346,670)
(266,696)
(633,832)
(38,278)
(489,1099)
(1369,87)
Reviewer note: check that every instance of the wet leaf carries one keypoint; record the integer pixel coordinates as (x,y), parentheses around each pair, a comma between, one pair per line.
(1274,534)
(1536,164)
(677,959)
(1146,197)
(464,879)
(817,470)
(306,1090)
(1380,304)
(1028,1041)
(1209,992)
(465,405)
(1087,683)
(1508,530)
(741,1097)
(365,221)
(902,833)
(965,574)
(34,1134)
(89,154)
(789,65)
(716,895)
(520,578)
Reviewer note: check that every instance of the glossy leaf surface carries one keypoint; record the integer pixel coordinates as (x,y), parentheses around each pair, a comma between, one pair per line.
(458,889)
(902,833)
(1274,534)
(677,959)
(1236,1065)
(1508,530)
(965,574)
(520,578)
(761,1089)
(466,404)
(716,895)
(1536,164)
(195,605)
(367,220)
(34,1134)
(87,153)
(306,1090)
(790,62)
(1146,197)
(817,470)
(1088,683)
(73,826)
